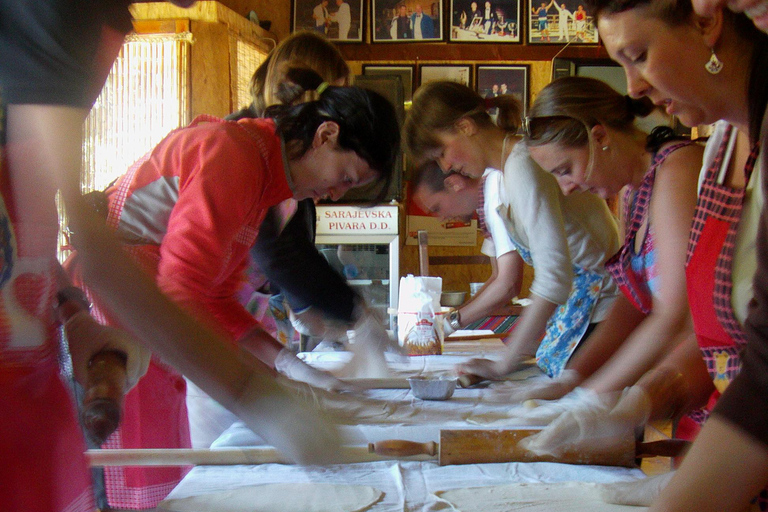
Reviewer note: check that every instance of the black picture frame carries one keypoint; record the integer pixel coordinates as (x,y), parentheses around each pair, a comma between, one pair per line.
(516,78)
(384,27)
(496,21)
(303,18)
(461,73)
(407,74)
(559,30)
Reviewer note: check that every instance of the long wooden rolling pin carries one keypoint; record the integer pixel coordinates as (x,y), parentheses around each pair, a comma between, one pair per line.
(250,456)
(455,447)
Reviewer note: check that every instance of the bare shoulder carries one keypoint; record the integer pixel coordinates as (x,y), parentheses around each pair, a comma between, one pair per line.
(683,162)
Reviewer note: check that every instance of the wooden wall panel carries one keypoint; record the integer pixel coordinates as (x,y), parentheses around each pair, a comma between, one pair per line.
(210,69)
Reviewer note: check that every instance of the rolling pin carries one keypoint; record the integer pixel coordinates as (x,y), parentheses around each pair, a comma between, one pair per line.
(491,446)
(251,455)
(104,392)
(455,447)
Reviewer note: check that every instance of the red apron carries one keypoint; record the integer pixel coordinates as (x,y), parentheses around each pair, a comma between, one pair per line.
(634,282)
(42,467)
(154,414)
(708,274)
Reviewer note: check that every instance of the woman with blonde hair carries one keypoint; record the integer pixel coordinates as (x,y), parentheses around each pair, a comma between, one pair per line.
(566,239)
(305,48)
(584,133)
(704,69)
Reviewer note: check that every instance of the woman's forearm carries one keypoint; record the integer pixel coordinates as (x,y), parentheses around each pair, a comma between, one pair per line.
(526,336)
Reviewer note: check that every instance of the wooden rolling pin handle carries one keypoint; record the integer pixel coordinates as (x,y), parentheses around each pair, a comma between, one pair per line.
(400,448)
(468,380)
(663,448)
(104,391)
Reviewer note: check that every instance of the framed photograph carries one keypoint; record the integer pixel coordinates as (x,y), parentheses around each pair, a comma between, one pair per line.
(402,21)
(560,22)
(508,79)
(340,20)
(404,72)
(456,73)
(485,21)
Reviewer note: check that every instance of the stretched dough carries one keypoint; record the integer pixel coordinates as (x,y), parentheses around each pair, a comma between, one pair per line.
(557,497)
(297,497)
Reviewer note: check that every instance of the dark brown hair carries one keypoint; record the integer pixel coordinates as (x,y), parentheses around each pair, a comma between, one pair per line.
(679,12)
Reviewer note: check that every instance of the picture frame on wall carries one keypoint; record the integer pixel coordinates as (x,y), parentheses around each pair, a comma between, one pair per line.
(461,73)
(340,20)
(504,79)
(485,21)
(560,22)
(398,21)
(405,72)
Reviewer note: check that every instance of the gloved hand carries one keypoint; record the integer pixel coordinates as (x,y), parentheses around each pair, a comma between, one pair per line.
(311,322)
(86,338)
(544,412)
(294,368)
(368,343)
(637,493)
(490,369)
(369,332)
(447,327)
(600,420)
(295,426)
(517,391)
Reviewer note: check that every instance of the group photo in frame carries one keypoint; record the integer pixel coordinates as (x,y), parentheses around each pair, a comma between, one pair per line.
(504,79)
(461,73)
(404,71)
(339,20)
(485,21)
(406,20)
(560,22)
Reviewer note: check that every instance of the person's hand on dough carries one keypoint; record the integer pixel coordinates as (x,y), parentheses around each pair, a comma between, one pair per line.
(86,338)
(544,388)
(637,493)
(295,426)
(594,421)
(489,369)
(312,322)
(294,368)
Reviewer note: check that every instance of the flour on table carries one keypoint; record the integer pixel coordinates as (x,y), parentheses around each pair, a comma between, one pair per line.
(293,497)
(556,497)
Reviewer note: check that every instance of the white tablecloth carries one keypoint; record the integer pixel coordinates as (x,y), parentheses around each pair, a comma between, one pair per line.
(407,485)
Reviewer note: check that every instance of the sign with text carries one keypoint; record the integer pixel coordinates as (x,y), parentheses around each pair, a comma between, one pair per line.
(354,220)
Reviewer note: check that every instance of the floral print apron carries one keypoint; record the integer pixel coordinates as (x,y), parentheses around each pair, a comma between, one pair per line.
(566,327)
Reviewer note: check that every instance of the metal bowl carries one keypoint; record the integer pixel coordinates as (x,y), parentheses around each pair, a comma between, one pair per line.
(432,388)
(452,299)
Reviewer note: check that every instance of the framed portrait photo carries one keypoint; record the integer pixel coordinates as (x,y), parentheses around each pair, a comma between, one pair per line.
(398,21)
(507,79)
(560,22)
(485,21)
(405,73)
(339,20)
(456,73)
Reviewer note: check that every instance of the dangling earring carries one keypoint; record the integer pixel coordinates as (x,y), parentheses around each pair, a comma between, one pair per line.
(605,148)
(713,65)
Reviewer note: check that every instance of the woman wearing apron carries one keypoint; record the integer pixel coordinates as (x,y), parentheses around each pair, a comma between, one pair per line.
(566,239)
(49,66)
(189,213)
(703,69)
(584,133)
